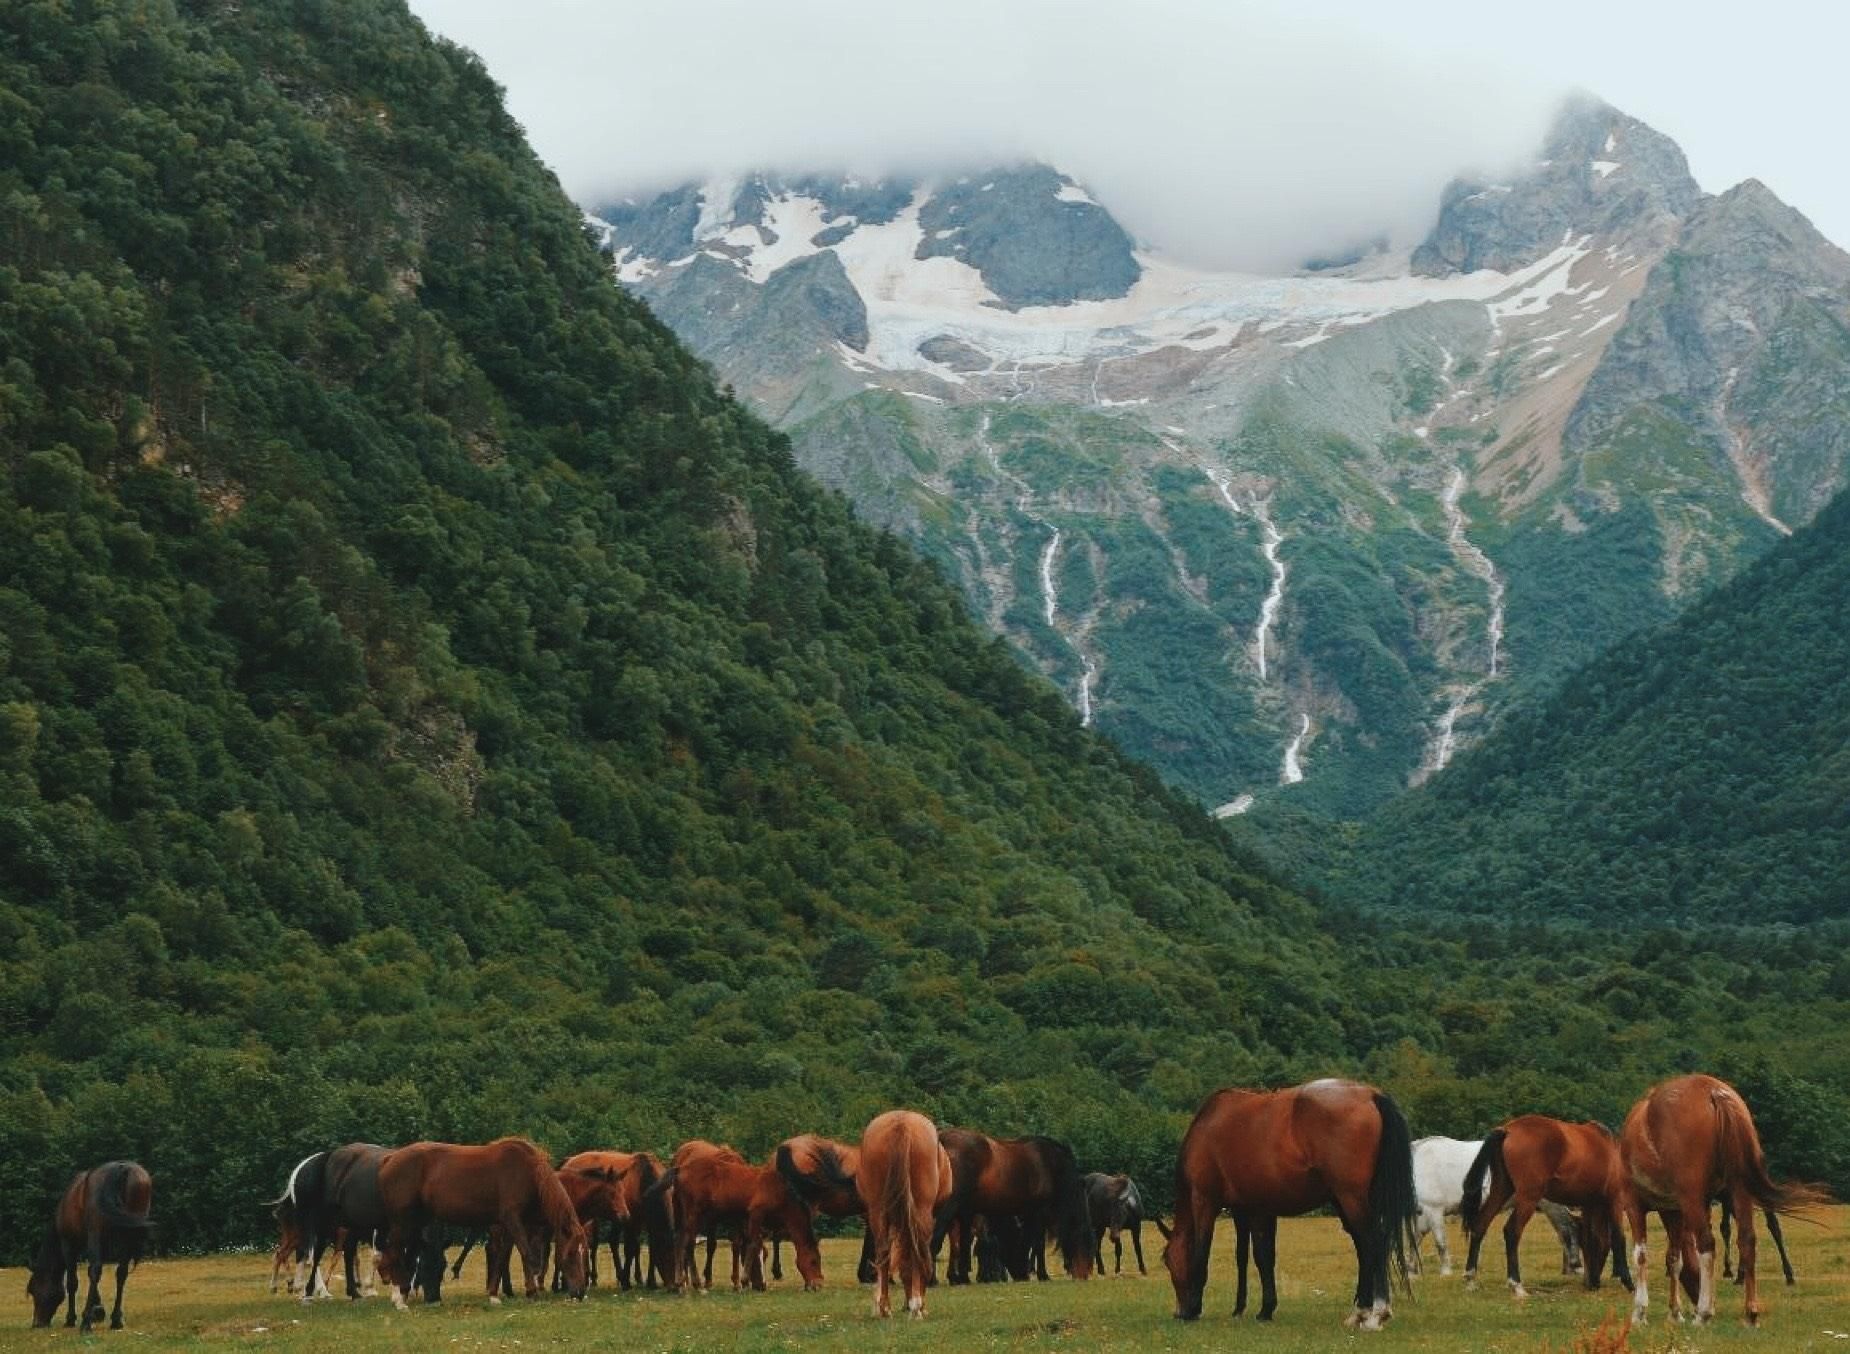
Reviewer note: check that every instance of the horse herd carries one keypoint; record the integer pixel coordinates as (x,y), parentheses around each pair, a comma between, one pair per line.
(997,1203)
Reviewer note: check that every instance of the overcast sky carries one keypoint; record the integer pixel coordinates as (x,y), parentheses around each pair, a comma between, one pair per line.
(1246,134)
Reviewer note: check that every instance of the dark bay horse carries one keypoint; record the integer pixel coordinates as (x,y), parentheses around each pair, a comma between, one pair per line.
(636,1174)
(1533,1158)
(509,1182)
(103,1216)
(904,1180)
(336,1199)
(1116,1207)
(1689,1139)
(1263,1155)
(1035,1179)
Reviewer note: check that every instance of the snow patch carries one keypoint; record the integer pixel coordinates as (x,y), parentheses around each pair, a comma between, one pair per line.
(1072,192)
(1604,167)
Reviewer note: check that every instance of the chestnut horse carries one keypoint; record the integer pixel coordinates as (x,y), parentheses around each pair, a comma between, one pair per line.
(635,1173)
(1263,1155)
(103,1216)
(1689,1139)
(904,1181)
(1036,1179)
(509,1182)
(665,1191)
(717,1190)
(1534,1158)
(829,1188)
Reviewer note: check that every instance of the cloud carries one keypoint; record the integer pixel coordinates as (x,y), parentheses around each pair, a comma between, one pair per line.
(1228,134)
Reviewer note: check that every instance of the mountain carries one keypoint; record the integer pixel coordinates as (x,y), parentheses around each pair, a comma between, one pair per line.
(1697,775)
(429,707)
(1289,539)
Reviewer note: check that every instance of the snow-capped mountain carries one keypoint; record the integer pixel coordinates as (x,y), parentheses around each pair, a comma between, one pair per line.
(1306,532)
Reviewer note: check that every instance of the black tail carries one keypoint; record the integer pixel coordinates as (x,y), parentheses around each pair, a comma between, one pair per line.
(1393,1203)
(828,1175)
(1072,1217)
(112,1197)
(1489,1158)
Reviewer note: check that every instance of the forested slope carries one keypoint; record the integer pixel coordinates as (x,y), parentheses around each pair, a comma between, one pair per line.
(1698,774)
(428,707)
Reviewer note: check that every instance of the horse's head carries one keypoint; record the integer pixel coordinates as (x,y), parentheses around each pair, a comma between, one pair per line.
(573,1252)
(1179,1259)
(46,1290)
(396,1264)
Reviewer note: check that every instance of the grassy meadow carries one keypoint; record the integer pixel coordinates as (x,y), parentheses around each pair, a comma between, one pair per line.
(222,1302)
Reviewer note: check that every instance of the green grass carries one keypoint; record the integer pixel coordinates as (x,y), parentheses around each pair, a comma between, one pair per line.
(220,1302)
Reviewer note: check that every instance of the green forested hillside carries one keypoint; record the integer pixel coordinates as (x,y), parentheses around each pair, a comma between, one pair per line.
(428,707)
(1698,774)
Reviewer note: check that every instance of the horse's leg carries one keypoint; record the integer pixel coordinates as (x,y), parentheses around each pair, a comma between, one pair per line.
(115,1316)
(1673,1260)
(777,1257)
(1520,1213)
(1772,1227)
(1750,1253)
(468,1245)
(1242,1248)
(1433,1217)
(1364,1271)
(864,1272)
(621,1262)
(1727,1231)
(1494,1198)
(93,1302)
(883,1269)
(1265,1253)
(712,1245)
(1117,1254)
(70,1286)
(959,1267)
(1136,1230)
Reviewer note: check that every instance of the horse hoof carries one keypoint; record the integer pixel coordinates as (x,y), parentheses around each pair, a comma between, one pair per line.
(115,1323)
(1518,1292)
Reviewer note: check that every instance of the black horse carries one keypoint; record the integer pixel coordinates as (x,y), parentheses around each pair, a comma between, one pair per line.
(102,1216)
(1116,1207)
(341,1189)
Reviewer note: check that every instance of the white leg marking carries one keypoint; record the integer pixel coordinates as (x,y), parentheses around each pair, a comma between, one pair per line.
(1641,1297)
(398,1297)
(1705,1300)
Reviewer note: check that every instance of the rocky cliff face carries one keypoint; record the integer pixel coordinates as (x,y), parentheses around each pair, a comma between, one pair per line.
(1301,535)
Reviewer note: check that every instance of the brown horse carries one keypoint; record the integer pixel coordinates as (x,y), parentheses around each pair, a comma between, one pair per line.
(718,1190)
(103,1216)
(904,1181)
(1689,1139)
(595,1199)
(1035,1179)
(1263,1155)
(666,1190)
(1534,1158)
(509,1182)
(635,1173)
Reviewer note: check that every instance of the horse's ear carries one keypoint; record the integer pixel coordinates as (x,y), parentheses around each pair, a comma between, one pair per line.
(1160,1227)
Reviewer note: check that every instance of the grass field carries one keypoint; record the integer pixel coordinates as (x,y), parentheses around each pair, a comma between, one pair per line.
(222,1302)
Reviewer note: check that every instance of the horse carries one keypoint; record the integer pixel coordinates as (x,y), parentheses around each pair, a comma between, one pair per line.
(1685,1141)
(716,1189)
(905,1181)
(1116,1206)
(636,1173)
(798,1161)
(1532,1158)
(336,1199)
(1439,1166)
(663,1189)
(509,1182)
(1035,1178)
(1263,1155)
(102,1216)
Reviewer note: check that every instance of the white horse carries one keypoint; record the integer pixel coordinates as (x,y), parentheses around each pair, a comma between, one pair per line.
(1439,1167)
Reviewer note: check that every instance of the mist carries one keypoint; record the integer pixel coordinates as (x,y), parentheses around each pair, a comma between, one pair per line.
(1228,135)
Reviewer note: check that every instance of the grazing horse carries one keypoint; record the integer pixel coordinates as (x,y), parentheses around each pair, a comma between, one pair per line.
(1439,1169)
(829,1192)
(664,1189)
(1689,1139)
(905,1181)
(719,1190)
(636,1173)
(509,1182)
(1533,1158)
(1263,1155)
(336,1199)
(1036,1179)
(1116,1206)
(103,1216)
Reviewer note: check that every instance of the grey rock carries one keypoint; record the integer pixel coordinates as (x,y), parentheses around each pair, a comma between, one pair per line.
(1506,225)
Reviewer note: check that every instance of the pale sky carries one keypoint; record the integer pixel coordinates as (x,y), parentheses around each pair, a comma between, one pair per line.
(1230,133)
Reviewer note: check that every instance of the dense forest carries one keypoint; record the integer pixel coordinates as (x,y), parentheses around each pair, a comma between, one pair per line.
(429,707)
(1697,775)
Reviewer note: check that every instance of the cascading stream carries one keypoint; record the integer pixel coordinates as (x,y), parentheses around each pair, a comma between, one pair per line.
(1479,565)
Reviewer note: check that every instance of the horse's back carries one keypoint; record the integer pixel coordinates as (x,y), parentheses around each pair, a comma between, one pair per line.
(1439,1169)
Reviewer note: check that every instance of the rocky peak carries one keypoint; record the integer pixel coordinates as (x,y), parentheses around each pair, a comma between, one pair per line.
(1601,173)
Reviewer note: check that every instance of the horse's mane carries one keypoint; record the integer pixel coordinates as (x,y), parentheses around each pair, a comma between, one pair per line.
(554,1201)
(50,1259)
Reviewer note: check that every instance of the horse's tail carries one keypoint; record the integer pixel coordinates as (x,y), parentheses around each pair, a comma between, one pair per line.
(826,1176)
(911,1246)
(1393,1202)
(1072,1217)
(652,1203)
(1488,1160)
(1744,1159)
(113,1204)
